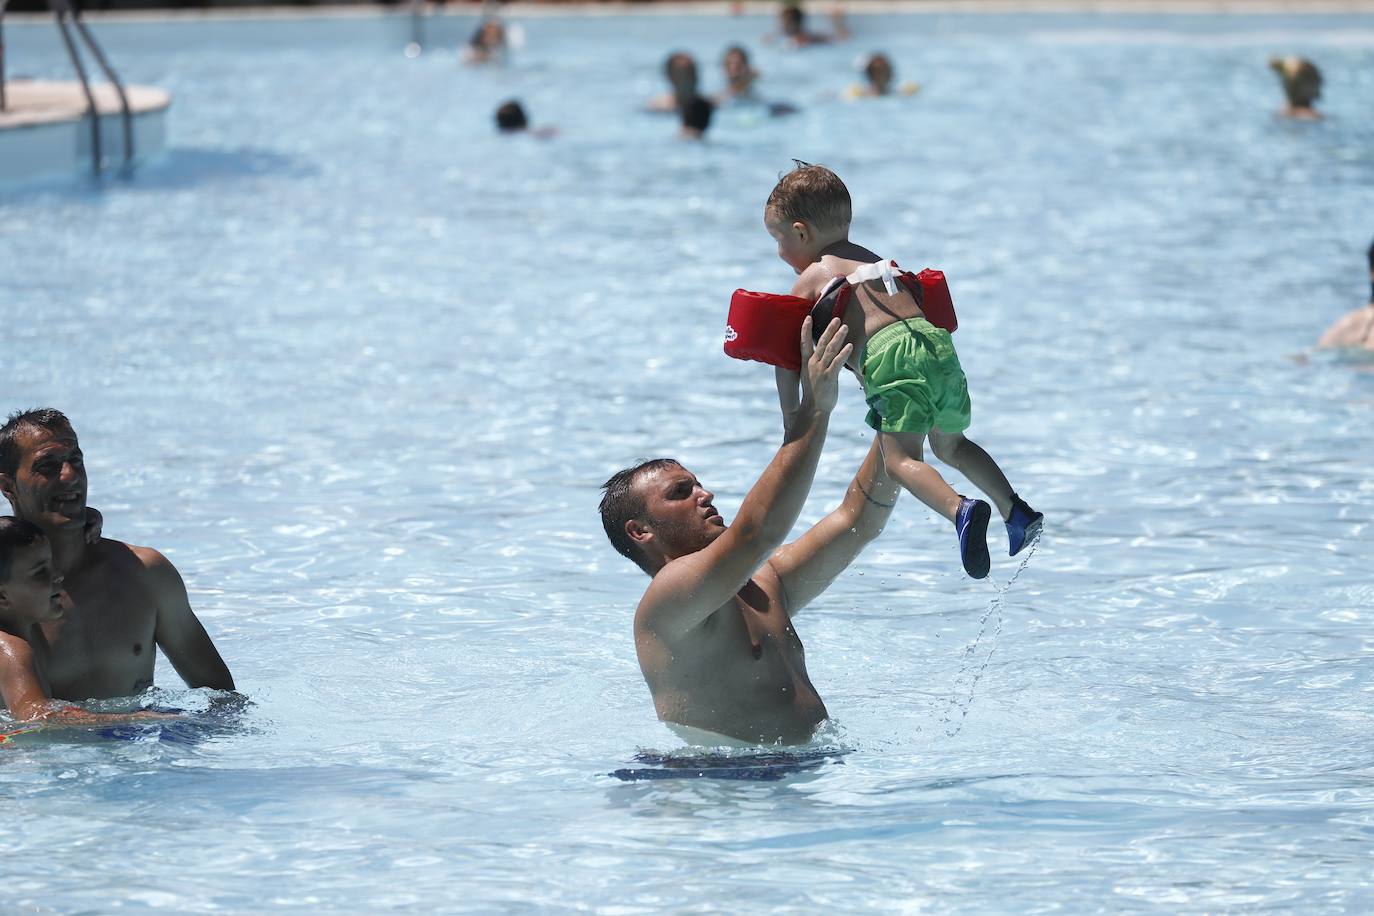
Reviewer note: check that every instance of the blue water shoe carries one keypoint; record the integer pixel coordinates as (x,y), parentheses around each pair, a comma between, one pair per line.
(971,523)
(1023,526)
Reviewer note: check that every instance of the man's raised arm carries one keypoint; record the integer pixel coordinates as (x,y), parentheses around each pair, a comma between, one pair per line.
(809,564)
(689,589)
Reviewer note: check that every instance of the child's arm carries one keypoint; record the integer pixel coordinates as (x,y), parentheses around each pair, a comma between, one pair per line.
(27,701)
(788,399)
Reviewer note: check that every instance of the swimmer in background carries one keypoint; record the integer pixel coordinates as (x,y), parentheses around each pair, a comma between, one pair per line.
(794,33)
(681,70)
(878,70)
(912,380)
(487,44)
(1302,86)
(740,77)
(31,606)
(511,119)
(696,118)
(1354,330)
(713,631)
(126,602)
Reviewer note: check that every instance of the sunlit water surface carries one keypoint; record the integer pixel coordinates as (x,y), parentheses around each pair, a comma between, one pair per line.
(358,366)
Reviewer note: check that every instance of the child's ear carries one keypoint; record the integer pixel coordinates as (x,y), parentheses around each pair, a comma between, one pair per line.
(802,230)
(4,599)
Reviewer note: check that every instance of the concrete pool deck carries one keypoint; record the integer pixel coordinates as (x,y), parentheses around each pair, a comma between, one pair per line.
(45,130)
(726,7)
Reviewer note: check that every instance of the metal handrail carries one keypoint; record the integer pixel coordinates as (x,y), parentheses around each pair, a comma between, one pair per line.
(3,4)
(63,9)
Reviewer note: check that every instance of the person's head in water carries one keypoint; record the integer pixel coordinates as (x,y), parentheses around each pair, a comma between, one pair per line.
(681,70)
(489,36)
(510,117)
(738,74)
(1302,84)
(878,72)
(808,209)
(657,511)
(696,117)
(30,589)
(792,19)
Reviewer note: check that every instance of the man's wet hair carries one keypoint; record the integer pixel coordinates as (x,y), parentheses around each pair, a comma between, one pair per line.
(621,503)
(21,421)
(793,18)
(15,533)
(511,116)
(810,194)
(696,113)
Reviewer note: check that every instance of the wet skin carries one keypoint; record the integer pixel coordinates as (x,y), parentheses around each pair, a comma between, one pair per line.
(126,601)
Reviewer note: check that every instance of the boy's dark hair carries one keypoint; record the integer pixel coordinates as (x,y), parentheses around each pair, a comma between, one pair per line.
(621,503)
(511,116)
(1371,255)
(810,194)
(696,113)
(14,534)
(21,420)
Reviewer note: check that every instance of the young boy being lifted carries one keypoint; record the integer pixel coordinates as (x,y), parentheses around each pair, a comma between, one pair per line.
(911,375)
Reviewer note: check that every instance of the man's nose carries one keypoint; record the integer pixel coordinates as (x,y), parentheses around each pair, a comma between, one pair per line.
(69,472)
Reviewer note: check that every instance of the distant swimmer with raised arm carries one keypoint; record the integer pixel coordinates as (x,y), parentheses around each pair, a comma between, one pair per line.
(126,602)
(713,631)
(900,325)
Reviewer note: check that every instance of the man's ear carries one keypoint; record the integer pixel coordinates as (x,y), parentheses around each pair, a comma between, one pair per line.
(7,488)
(638,531)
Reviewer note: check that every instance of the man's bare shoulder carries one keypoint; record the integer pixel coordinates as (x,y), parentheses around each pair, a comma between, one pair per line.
(1350,330)
(655,606)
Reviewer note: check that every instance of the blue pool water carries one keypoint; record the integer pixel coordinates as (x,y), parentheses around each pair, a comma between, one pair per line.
(358,366)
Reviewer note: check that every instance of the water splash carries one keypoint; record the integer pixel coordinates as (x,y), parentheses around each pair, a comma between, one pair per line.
(971,667)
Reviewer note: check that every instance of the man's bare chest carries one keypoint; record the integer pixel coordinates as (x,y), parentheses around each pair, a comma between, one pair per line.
(104,645)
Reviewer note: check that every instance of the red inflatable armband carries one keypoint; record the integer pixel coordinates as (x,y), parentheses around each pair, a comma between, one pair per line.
(766,327)
(934,299)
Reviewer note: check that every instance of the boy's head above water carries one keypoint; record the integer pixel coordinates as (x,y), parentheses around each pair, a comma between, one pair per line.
(808,210)
(29,591)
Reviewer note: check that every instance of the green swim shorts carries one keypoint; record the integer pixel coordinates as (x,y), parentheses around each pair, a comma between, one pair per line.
(913,381)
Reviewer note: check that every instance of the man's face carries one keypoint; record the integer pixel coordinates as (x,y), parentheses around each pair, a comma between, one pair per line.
(793,244)
(49,486)
(33,594)
(678,510)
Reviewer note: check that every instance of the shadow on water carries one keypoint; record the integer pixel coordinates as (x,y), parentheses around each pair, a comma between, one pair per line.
(178,169)
(753,767)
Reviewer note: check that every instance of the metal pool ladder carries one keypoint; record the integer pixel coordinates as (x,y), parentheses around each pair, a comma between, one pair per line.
(65,11)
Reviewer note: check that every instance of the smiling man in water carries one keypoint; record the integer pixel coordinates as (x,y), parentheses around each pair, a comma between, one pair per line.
(126,601)
(714,629)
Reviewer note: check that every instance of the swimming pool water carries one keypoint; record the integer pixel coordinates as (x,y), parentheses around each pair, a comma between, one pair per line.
(358,366)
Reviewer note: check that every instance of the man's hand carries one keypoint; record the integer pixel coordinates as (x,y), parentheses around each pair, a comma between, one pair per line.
(94,523)
(821,364)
